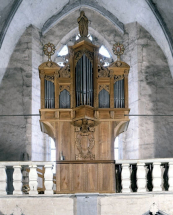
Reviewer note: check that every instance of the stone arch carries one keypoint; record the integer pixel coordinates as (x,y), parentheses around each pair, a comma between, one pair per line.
(73,6)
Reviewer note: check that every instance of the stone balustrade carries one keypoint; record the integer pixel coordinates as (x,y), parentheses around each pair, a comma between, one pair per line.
(151,175)
(20,171)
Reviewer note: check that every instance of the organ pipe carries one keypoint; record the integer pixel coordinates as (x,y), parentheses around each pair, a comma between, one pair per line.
(119,94)
(84,82)
(49,94)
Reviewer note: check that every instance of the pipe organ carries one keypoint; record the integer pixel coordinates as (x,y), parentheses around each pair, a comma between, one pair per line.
(83,108)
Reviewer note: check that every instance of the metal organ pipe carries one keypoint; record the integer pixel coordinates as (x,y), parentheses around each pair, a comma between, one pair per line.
(49,94)
(84,81)
(119,94)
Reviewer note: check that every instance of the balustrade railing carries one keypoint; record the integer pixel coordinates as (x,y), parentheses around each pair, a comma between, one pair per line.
(152,175)
(32,178)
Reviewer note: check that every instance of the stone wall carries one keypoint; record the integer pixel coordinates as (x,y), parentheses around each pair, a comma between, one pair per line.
(129,141)
(106,204)
(150,85)
(20,136)
(40,141)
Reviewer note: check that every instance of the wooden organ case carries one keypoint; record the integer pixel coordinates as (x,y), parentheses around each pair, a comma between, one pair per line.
(83,108)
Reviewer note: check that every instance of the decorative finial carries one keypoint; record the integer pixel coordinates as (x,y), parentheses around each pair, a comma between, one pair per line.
(118,49)
(49,50)
(83,24)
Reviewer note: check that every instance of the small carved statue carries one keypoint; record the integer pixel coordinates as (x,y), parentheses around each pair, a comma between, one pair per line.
(83,24)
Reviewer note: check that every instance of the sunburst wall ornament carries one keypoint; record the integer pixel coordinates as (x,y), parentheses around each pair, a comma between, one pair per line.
(118,49)
(49,50)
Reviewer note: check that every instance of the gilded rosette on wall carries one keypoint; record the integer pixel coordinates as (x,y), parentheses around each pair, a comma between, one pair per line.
(118,49)
(49,50)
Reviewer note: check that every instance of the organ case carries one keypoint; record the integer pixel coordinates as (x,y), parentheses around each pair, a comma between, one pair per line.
(83,108)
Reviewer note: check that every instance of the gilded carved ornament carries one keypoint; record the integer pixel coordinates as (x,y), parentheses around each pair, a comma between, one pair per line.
(104,86)
(83,24)
(103,72)
(49,78)
(118,77)
(64,87)
(49,50)
(64,72)
(118,49)
(79,54)
(85,132)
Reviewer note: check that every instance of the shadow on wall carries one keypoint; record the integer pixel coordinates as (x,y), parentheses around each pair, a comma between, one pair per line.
(155,98)
(15,98)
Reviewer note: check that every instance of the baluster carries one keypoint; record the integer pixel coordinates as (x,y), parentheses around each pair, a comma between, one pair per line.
(157,174)
(141,177)
(133,178)
(118,178)
(125,178)
(33,180)
(3,180)
(48,179)
(17,180)
(170,176)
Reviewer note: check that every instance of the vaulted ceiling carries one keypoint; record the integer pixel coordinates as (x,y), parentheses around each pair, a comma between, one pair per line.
(15,15)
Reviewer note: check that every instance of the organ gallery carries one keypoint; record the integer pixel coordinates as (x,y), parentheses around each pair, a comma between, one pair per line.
(84,106)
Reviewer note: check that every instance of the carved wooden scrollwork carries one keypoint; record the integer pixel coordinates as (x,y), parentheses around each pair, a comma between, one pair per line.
(65,71)
(85,140)
(49,78)
(79,54)
(104,86)
(64,87)
(118,77)
(103,72)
